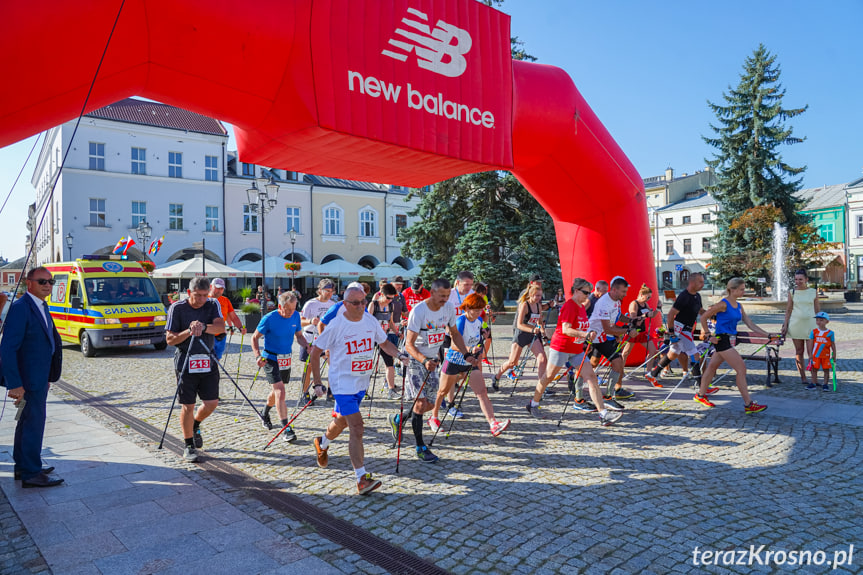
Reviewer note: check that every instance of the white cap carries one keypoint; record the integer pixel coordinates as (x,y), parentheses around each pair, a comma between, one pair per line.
(355,285)
(219,283)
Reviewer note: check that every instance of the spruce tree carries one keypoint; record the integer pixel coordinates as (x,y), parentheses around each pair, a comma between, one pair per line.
(749,168)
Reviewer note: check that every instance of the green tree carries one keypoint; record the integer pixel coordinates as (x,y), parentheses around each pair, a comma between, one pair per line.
(749,168)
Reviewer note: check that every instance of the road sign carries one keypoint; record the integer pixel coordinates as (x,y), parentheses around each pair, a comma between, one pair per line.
(762,280)
(678,267)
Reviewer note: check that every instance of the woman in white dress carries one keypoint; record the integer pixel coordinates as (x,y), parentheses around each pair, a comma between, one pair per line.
(800,319)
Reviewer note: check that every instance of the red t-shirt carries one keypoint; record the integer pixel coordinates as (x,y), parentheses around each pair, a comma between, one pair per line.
(412,298)
(576,316)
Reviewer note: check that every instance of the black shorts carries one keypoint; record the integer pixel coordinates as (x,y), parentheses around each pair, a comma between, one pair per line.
(522,338)
(724,342)
(606,349)
(274,374)
(450,368)
(203,385)
(304,353)
(388,359)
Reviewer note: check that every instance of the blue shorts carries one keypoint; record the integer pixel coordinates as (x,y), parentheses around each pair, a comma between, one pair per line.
(348,404)
(219,347)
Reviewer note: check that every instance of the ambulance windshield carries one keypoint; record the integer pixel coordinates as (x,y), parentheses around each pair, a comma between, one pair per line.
(114,290)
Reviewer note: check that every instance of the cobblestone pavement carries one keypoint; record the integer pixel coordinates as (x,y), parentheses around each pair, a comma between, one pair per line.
(635,497)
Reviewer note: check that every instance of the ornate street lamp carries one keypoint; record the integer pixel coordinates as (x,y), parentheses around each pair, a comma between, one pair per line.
(293,234)
(143,231)
(69,239)
(263,197)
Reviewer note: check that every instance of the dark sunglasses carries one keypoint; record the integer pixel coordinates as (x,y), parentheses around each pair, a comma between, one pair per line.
(42,282)
(355,302)
(584,292)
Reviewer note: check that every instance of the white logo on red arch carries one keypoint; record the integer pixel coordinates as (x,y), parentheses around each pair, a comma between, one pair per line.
(432,46)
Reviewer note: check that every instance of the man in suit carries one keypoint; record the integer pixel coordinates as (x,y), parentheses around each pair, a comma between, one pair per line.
(32,355)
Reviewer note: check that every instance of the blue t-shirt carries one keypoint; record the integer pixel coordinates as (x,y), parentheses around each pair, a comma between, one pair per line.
(278,333)
(332,313)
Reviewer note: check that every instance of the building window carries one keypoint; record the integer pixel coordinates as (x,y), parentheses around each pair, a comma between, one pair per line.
(97,156)
(291,176)
(687,219)
(401,223)
(669,221)
(250,219)
(175,216)
(705,217)
(687,246)
(826,232)
(294,220)
(248,169)
(211,168)
(705,245)
(139,161)
(860,226)
(211,219)
(139,213)
(332,222)
(175,165)
(669,247)
(97,212)
(368,224)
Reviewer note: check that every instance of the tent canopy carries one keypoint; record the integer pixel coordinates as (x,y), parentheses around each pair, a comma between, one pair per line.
(390,271)
(196,267)
(342,269)
(276,268)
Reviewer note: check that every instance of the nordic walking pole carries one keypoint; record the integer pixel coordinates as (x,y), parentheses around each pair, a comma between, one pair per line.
(458,406)
(572,393)
(833,365)
(245,397)
(374,380)
(177,392)
(458,389)
(402,418)
(464,383)
(239,359)
(250,391)
(522,364)
(662,350)
(685,376)
(289,423)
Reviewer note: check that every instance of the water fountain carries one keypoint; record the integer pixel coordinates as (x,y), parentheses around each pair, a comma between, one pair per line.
(780,271)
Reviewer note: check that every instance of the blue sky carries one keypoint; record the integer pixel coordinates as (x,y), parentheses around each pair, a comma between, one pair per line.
(648,68)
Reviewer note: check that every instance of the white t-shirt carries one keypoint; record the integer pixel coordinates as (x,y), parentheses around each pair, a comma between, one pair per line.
(351,345)
(314,308)
(430,326)
(456,298)
(470,331)
(605,308)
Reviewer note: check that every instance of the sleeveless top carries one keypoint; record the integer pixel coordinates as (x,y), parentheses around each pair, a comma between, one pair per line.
(382,314)
(726,321)
(802,320)
(530,317)
(640,311)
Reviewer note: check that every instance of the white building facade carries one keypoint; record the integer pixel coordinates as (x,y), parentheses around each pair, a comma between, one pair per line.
(854,191)
(683,233)
(132,161)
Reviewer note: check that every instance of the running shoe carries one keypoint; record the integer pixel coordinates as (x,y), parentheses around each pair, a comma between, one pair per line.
(266,421)
(199,439)
(498,427)
(584,405)
(754,408)
(323,458)
(623,393)
(455,412)
(425,455)
(366,484)
(548,392)
(711,390)
(811,386)
(190,454)
(307,399)
(609,417)
(495,383)
(393,420)
(612,403)
(825,387)
(702,399)
(289,436)
(695,370)
(653,381)
(434,423)
(393,394)
(533,410)
(667,372)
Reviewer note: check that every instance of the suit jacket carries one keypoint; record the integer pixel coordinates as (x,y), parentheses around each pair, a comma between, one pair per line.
(25,350)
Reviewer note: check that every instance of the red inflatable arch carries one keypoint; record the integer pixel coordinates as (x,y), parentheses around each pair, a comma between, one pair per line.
(407,92)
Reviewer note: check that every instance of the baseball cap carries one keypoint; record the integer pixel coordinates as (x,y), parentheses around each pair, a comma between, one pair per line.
(535,278)
(823,315)
(398,280)
(219,283)
(357,285)
(418,283)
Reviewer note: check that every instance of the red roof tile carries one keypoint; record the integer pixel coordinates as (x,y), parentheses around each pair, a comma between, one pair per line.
(135,111)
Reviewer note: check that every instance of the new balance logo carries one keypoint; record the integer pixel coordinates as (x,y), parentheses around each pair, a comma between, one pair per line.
(432,47)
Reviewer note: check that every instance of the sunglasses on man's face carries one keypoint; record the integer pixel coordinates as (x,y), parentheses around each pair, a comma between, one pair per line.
(42,282)
(355,302)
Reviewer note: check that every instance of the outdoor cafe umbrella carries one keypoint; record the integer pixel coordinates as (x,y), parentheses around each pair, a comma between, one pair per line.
(390,271)
(195,267)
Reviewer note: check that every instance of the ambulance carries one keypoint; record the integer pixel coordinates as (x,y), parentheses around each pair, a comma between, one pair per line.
(106,301)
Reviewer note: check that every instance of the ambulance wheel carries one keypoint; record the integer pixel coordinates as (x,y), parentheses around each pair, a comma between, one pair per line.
(87,349)
(161,345)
